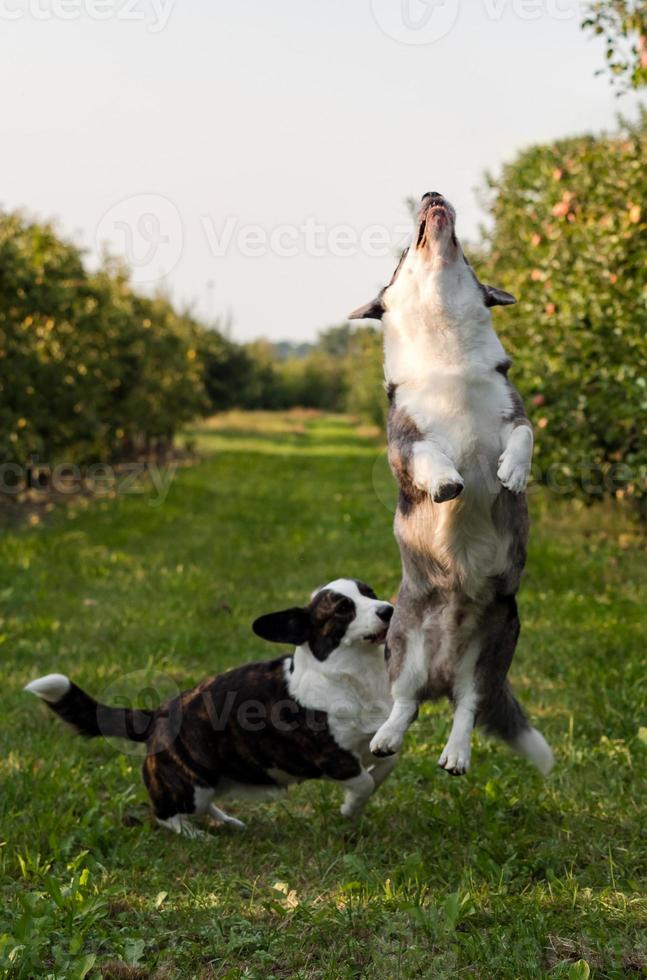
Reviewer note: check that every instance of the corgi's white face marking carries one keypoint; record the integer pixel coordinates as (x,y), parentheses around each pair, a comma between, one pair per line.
(367,626)
(351,683)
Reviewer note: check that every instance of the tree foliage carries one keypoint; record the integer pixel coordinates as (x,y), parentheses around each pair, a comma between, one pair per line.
(365,376)
(88,368)
(623,25)
(568,239)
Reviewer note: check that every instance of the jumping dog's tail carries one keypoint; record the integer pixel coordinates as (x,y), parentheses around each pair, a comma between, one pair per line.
(86,715)
(504,717)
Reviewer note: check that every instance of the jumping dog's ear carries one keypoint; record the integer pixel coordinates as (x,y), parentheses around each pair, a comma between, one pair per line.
(289,626)
(375,310)
(496,297)
(370,311)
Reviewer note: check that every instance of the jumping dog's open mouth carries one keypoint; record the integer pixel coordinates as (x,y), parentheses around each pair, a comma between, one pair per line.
(434,213)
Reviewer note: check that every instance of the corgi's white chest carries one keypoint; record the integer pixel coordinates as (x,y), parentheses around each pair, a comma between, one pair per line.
(357,700)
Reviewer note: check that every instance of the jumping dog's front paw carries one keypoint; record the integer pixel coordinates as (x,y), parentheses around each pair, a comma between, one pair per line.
(387,741)
(455,761)
(446,486)
(513,473)
(435,475)
(448,490)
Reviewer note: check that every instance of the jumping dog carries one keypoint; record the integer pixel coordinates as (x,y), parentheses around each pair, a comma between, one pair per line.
(460,447)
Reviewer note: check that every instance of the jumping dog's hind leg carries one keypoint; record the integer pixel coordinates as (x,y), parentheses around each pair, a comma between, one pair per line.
(504,717)
(499,712)
(479,678)
(482,694)
(407,662)
(455,757)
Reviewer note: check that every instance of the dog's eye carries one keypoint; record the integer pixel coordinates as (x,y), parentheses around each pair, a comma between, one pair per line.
(344,606)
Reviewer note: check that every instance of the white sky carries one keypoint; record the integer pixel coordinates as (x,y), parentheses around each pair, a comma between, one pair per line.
(169,127)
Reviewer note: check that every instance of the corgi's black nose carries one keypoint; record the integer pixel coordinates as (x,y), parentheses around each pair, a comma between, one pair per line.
(431,194)
(385,613)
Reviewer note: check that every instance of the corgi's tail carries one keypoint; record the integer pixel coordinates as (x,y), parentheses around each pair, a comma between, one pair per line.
(505,718)
(86,715)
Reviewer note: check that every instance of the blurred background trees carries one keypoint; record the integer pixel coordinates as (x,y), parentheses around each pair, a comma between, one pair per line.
(568,236)
(92,370)
(89,368)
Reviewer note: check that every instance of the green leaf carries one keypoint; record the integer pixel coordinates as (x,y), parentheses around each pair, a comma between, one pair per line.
(160,898)
(85,965)
(134,951)
(579,971)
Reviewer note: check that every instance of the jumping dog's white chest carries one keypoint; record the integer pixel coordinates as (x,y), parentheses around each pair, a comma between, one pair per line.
(458,401)
(462,409)
(447,384)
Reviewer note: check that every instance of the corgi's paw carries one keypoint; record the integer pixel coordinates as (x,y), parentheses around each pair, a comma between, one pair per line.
(351,809)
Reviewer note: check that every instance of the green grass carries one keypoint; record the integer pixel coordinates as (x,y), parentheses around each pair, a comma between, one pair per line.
(498,874)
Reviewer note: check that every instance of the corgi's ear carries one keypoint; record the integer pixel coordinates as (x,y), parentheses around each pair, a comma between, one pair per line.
(289,626)
(496,297)
(374,310)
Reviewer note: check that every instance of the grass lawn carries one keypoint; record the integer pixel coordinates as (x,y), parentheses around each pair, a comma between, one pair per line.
(497,874)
